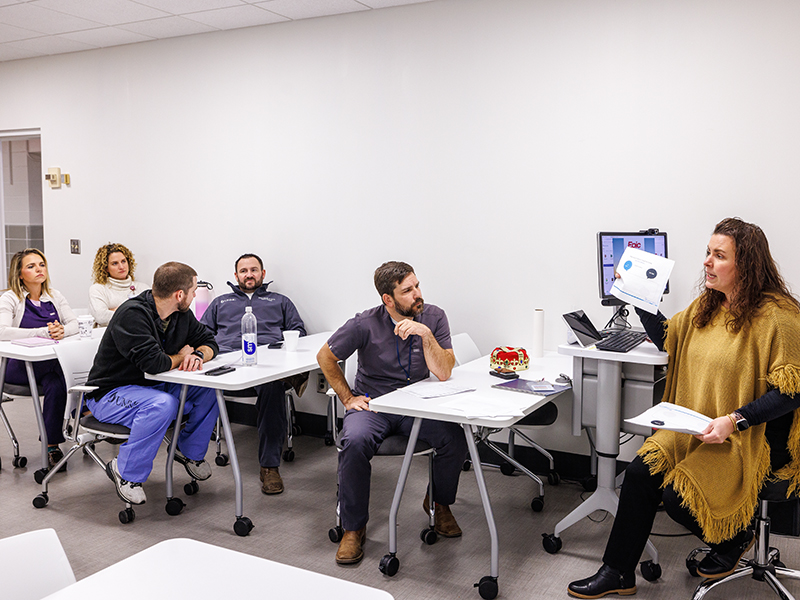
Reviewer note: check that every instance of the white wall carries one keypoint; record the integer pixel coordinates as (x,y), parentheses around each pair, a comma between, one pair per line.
(483,141)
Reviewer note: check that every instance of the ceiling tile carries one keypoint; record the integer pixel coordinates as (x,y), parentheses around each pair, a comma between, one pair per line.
(106,36)
(42,20)
(239,16)
(51,44)
(182,7)
(388,3)
(9,33)
(306,9)
(167,27)
(8,52)
(107,12)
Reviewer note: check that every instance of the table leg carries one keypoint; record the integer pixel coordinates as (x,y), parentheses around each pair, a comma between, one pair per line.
(389,564)
(242,526)
(487,508)
(175,505)
(37,411)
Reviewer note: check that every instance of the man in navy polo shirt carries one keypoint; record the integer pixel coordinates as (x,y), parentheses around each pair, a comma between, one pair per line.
(399,343)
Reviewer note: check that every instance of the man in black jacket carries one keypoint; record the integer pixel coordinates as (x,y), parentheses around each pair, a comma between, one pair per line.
(152,333)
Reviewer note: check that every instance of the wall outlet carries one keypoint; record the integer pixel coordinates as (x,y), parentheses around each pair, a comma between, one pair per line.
(322,385)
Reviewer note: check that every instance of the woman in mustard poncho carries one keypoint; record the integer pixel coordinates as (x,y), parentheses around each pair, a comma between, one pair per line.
(734,355)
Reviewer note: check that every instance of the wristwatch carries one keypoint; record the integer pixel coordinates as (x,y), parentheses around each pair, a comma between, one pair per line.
(201,356)
(740,421)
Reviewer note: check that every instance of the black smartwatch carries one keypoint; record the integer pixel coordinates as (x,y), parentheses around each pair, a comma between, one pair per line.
(201,356)
(741,422)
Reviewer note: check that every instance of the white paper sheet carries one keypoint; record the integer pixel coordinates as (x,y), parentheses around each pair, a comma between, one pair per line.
(643,278)
(437,389)
(475,408)
(666,415)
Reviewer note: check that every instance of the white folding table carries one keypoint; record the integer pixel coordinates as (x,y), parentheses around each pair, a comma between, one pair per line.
(473,374)
(184,568)
(30,355)
(273,364)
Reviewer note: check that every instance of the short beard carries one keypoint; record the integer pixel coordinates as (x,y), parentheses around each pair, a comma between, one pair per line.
(412,311)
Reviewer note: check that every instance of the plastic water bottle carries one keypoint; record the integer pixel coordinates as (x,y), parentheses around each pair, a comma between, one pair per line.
(249,338)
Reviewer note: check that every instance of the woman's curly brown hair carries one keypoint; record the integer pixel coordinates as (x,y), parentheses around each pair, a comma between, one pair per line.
(100,266)
(757,278)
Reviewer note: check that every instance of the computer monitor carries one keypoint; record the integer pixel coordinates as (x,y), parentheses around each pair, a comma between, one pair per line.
(611,245)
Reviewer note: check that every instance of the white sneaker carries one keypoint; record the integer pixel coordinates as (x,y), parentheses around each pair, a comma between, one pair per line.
(128,491)
(198,469)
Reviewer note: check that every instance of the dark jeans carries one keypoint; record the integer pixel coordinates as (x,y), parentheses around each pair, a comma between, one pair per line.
(638,503)
(51,379)
(363,432)
(271,420)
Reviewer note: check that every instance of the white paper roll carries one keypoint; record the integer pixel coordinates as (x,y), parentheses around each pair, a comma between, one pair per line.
(538,334)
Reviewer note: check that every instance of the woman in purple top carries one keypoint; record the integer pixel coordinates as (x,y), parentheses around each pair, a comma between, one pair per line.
(31,309)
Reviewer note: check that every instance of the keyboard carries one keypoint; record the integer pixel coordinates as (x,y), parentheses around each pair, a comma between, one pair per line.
(622,341)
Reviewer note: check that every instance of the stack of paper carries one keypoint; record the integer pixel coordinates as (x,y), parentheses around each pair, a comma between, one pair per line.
(475,408)
(437,389)
(672,417)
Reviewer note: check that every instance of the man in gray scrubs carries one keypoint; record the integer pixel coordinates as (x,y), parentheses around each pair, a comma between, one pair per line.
(399,343)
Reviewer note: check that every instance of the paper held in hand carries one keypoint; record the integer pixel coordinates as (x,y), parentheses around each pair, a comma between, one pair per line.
(643,278)
(666,415)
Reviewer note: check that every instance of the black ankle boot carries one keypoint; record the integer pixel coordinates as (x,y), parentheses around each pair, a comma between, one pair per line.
(718,564)
(605,581)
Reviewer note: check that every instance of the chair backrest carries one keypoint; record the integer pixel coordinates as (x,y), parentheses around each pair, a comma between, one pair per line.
(76,358)
(464,348)
(33,565)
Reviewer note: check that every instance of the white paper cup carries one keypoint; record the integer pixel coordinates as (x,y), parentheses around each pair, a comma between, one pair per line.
(85,325)
(290,340)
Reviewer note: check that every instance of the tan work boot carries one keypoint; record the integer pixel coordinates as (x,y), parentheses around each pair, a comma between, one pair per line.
(444,521)
(351,548)
(271,482)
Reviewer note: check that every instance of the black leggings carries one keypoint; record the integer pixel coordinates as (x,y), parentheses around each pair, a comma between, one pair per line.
(638,503)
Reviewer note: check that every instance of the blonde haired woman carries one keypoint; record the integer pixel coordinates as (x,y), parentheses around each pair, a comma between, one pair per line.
(112,272)
(30,308)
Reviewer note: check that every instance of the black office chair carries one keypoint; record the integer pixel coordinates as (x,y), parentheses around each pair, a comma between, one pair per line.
(766,565)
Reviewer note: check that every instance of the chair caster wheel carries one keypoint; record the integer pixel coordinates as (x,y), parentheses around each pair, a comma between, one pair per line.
(221,460)
(126,516)
(328,439)
(553,478)
(288,455)
(296,430)
(551,543)
(19,462)
(467,465)
(537,504)
(487,587)
(41,500)
(691,566)
(389,565)
(174,506)
(191,488)
(38,476)
(589,484)
(429,536)
(243,526)
(650,570)
(507,468)
(335,534)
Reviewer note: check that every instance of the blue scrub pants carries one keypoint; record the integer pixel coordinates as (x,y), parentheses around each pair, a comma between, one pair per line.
(362,433)
(148,412)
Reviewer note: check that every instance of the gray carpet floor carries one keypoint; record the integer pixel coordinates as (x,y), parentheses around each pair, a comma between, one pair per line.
(292,527)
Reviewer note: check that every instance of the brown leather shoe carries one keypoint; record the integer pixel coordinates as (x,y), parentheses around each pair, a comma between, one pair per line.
(351,548)
(444,521)
(271,482)
(298,383)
